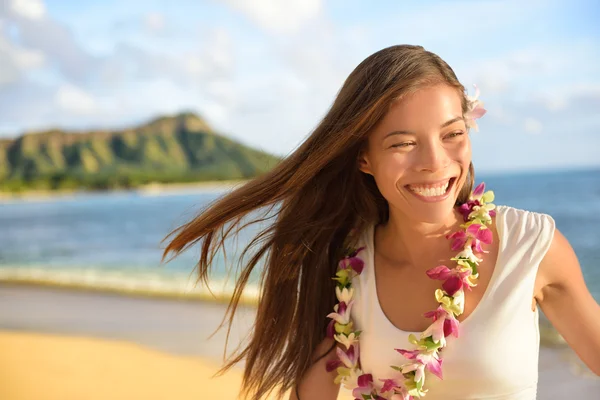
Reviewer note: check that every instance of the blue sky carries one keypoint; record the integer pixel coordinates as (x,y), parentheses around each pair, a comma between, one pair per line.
(265,71)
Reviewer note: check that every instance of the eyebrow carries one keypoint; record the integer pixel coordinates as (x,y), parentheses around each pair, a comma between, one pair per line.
(445,124)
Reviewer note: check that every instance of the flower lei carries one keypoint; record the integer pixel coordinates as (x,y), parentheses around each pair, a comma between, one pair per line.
(477,213)
(409,383)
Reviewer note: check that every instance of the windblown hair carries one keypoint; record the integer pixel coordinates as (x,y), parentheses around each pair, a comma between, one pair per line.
(322,198)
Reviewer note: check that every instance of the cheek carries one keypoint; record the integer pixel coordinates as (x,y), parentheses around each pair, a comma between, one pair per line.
(391,165)
(389,170)
(465,151)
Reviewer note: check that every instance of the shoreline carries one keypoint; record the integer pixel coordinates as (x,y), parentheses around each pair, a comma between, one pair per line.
(149,189)
(88,338)
(549,337)
(247,300)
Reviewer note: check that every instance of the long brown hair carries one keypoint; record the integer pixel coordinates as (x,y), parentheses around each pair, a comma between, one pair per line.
(322,196)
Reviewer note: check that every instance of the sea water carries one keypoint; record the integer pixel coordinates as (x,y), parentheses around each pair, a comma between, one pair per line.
(112,240)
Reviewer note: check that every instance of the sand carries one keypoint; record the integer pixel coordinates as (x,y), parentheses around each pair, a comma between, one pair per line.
(52,367)
(73,345)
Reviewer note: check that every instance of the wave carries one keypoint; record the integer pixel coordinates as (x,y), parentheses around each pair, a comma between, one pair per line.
(148,284)
(175,286)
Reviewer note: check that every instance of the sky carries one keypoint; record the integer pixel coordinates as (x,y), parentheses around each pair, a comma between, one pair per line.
(264,72)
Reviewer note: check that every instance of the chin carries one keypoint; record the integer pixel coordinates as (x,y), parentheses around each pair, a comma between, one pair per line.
(434,215)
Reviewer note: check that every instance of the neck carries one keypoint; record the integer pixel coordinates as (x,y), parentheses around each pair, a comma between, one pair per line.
(406,238)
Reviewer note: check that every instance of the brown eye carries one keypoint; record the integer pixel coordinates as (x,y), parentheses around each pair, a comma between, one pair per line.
(405,144)
(455,134)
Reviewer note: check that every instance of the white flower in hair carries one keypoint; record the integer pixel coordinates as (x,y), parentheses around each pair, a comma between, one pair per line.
(475,110)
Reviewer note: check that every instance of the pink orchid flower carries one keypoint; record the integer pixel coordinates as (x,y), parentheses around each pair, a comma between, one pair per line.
(396,386)
(365,386)
(409,354)
(478,191)
(430,359)
(466,208)
(435,330)
(475,110)
(454,279)
(450,322)
(478,234)
(434,364)
(483,213)
(477,199)
(476,207)
(419,370)
(352,261)
(346,340)
(348,358)
(391,384)
(468,254)
(342,312)
(440,272)
(403,395)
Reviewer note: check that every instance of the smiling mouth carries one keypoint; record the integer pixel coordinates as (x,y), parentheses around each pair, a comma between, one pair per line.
(432,192)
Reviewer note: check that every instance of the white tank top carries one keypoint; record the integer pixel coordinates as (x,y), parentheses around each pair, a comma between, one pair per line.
(496,353)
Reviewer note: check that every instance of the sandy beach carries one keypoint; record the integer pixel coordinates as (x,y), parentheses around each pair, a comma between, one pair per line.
(73,345)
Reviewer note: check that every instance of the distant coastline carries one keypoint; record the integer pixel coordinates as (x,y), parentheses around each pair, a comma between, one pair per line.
(149,189)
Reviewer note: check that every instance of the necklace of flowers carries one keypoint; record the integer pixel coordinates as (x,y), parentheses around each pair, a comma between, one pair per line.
(410,378)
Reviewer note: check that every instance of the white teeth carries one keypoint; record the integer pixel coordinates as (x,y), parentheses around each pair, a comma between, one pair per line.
(430,192)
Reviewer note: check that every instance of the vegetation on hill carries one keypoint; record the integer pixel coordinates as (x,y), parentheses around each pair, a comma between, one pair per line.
(181,148)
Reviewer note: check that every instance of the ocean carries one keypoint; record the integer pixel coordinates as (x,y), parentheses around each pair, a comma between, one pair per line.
(111,240)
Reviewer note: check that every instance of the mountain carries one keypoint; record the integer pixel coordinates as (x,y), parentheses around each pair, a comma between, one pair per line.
(180,148)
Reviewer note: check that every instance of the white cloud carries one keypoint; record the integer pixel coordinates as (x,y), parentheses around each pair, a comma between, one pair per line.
(46,38)
(555,103)
(269,82)
(74,99)
(532,125)
(223,92)
(154,21)
(32,9)
(16,61)
(520,70)
(276,15)
(570,96)
(219,50)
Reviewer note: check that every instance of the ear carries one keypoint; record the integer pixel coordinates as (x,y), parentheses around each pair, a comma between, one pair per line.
(363,162)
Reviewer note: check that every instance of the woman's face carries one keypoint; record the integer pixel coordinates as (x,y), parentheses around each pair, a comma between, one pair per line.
(419,154)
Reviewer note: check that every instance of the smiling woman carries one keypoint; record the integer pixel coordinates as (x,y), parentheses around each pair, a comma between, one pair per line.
(397,160)
(376,207)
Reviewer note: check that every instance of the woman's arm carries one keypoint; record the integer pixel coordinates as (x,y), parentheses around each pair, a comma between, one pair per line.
(567,302)
(317,383)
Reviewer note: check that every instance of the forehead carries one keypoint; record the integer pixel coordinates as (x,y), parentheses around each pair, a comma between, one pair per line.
(425,109)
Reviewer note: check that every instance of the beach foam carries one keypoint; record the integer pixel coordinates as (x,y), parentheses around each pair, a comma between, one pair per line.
(152,284)
(136,283)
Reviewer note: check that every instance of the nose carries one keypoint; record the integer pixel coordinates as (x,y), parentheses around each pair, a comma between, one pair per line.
(432,157)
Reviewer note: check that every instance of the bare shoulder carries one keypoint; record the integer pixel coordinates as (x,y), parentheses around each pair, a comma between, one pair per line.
(567,302)
(559,269)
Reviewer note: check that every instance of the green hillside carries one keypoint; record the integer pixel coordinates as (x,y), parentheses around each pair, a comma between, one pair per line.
(181,148)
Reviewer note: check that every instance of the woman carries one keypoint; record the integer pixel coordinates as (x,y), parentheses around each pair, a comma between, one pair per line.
(378,218)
